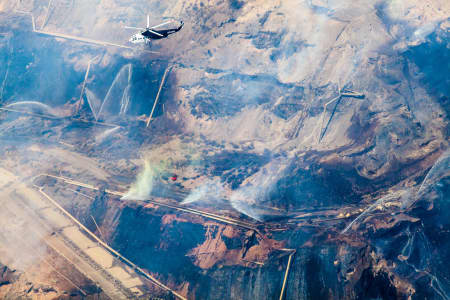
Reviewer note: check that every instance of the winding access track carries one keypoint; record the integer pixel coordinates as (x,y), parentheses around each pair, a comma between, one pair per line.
(54,230)
(216,217)
(81,39)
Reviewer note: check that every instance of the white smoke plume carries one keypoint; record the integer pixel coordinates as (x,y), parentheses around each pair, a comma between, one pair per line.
(142,187)
(100,138)
(257,188)
(210,191)
(247,198)
(244,201)
(440,167)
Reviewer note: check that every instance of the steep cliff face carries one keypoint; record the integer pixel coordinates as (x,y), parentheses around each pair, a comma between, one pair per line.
(324,124)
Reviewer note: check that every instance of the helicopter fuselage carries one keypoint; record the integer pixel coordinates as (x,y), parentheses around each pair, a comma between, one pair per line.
(151,34)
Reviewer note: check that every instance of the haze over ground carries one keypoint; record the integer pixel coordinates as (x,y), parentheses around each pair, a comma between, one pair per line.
(322,124)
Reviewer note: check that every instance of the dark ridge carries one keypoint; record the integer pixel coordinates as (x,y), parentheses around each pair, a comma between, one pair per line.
(375,285)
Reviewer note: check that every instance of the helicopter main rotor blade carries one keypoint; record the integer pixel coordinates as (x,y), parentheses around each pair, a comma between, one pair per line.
(162,24)
(131,27)
(157,33)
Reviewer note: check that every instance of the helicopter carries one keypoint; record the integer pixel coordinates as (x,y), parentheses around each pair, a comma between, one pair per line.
(151,33)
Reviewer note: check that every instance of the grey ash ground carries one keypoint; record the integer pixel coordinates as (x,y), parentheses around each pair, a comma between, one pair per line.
(298,150)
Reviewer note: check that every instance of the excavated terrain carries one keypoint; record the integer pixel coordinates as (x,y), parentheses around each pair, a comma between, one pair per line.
(296,150)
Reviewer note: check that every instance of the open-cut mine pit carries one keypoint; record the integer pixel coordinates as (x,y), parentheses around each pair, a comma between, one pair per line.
(268,150)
